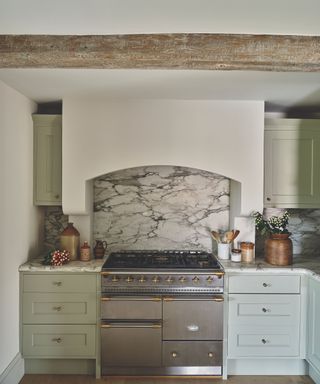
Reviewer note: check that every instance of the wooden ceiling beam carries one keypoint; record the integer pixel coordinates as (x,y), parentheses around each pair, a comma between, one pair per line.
(280,53)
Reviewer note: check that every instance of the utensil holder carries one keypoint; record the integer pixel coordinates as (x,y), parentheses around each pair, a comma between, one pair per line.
(224,251)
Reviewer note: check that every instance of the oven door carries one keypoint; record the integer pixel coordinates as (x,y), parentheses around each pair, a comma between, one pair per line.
(193,318)
(130,344)
(131,333)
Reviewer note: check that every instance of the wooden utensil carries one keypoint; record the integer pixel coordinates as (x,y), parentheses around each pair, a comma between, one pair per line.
(216,236)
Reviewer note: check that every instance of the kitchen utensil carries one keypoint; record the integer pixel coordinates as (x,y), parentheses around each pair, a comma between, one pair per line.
(216,236)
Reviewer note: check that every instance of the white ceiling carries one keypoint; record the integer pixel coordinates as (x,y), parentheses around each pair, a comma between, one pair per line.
(162,16)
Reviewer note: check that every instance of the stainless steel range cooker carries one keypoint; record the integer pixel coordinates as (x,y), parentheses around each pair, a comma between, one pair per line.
(162,313)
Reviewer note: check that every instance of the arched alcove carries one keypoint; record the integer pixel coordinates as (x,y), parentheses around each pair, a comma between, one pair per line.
(160,207)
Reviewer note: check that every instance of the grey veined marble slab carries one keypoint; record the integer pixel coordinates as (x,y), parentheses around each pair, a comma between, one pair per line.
(36,265)
(160,207)
(301,264)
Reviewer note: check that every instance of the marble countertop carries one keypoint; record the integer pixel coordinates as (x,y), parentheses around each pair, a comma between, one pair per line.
(301,264)
(36,265)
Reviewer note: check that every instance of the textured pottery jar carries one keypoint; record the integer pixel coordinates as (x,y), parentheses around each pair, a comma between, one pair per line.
(278,249)
(70,241)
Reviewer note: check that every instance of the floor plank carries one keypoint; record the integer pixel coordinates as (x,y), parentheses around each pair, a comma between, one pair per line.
(84,379)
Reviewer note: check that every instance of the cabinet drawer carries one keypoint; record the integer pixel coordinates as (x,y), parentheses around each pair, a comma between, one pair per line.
(192,353)
(264,284)
(133,308)
(59,283)
(250,341)
(264,309)
(63,308)
(58,341)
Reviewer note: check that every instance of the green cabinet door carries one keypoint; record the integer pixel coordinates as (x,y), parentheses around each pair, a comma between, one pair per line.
(47,159)
(313,350)
(292,161)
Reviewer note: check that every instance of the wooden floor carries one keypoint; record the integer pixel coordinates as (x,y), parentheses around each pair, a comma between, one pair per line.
(83,379)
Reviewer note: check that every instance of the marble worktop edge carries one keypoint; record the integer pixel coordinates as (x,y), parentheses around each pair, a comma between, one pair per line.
(301,265)
(91,266)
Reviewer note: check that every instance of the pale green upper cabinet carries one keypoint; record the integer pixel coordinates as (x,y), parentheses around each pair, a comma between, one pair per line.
(292,163)
(47,159)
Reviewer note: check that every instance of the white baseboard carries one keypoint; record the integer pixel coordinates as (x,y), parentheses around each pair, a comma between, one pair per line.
(14,371)
(267,367)
(314,374)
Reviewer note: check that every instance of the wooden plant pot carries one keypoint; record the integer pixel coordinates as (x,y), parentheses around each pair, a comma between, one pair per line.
(278,249)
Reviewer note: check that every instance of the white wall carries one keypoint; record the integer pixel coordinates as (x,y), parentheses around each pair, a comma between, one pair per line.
(19,228)
(101,136)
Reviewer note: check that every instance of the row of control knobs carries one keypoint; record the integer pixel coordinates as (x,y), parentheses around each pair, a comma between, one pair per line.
(158,279)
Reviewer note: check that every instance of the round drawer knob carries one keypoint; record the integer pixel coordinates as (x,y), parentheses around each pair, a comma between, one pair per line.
(266,285)
(174,354)
(264,341)
(210,354)
(264,310)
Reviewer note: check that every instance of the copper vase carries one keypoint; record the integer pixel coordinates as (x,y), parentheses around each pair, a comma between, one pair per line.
(278,249)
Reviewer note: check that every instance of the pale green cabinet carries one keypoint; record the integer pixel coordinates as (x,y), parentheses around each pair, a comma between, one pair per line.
(47,131)
(292,163)
(59,315)
(263,316)
(313,349)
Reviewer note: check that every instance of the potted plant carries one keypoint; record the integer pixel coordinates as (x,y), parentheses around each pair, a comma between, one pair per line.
(278,245)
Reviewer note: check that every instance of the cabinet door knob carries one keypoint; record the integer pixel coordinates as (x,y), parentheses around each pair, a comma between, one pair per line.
(174,354)
(57,196)
(265,310)
(268,199)
(210,354)
(264,341)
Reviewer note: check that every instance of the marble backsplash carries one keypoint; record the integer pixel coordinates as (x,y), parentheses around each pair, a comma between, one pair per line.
(304,225)
(54,223)
(160,207)
(170,207)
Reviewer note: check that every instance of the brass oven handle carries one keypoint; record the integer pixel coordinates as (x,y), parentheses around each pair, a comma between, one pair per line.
(131,325)
(218,299)
(130,298)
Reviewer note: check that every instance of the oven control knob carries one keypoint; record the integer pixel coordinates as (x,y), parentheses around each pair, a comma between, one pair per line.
(129,279)
(209,279)
(182,279)
(169,279)
(115,279)
(156,279)
(142,279)
(196,279)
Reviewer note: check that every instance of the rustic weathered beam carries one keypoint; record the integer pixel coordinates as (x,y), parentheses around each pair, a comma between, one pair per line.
(162,51)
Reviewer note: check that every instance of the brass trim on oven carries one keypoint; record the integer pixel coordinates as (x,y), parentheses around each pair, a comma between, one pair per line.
(131,325)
